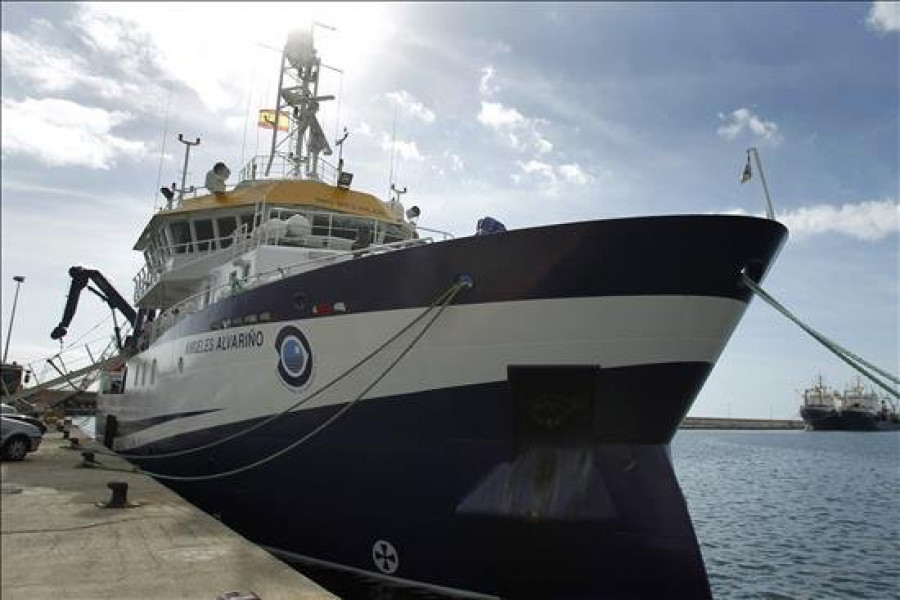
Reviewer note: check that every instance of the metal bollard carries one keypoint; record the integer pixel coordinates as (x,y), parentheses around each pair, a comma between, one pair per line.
(119,494)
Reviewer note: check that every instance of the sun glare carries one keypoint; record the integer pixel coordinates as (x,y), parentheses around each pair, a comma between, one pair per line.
(218,48)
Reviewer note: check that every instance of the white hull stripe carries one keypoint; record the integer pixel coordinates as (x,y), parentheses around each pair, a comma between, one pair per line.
(468,345)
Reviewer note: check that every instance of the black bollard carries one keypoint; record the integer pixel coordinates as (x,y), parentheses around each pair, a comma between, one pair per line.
(119,494)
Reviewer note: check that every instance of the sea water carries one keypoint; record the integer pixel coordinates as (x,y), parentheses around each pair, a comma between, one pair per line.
(784,515)
(795,514)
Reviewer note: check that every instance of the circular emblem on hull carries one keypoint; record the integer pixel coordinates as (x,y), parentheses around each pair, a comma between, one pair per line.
(294,357)
(385,557)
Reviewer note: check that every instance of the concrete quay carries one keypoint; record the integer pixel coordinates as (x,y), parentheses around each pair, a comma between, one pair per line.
(740,424)
(58,543)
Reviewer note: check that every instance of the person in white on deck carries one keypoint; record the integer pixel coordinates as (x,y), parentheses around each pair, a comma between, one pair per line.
(215,179)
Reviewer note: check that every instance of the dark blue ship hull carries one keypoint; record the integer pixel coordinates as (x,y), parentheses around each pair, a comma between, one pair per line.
(470,497)
(555,483)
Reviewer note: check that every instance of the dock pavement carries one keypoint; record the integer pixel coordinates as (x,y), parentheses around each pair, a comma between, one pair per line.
(58,541)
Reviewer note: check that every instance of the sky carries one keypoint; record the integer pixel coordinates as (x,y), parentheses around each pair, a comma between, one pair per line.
(531,113)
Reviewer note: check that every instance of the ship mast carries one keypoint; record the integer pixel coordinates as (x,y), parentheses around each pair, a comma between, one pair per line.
(298,99)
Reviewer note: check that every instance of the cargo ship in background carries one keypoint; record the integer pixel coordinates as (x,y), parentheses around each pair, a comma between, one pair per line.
(856,409)
(487,415)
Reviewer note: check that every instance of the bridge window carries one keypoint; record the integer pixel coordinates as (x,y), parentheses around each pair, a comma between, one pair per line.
(180,233)
(248,221)
(162,244)
(204,231)
(226,226)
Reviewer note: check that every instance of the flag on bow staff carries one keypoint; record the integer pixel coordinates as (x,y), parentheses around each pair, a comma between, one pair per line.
(267,120)
(748,172)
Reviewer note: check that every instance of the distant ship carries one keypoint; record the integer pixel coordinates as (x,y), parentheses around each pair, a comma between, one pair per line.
(857,409)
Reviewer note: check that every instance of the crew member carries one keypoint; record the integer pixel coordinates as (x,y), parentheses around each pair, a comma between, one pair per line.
(215,179)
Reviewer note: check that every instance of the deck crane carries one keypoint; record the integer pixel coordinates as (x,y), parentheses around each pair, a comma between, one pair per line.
(106,292)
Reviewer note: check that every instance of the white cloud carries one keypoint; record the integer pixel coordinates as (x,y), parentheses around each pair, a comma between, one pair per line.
(485,85)
(537,167)
(497,116)
(743,119)
(519,131)
(59,132)
(363,129)
(51,69)
(542,145)
(574,174)
(411,105)
(550,178)
(406,150)
(884,17)
(456,163)
(871,220)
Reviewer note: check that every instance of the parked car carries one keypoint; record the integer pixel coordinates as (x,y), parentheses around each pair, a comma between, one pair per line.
(12,413)
(18,438)
(30,420)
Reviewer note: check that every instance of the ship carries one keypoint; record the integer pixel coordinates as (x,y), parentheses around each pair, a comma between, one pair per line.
(486,415)
(856,409)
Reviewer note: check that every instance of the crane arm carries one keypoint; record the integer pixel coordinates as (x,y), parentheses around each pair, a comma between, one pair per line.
(80,278)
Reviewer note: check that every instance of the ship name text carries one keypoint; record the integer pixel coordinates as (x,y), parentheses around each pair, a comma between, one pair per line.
(227,341)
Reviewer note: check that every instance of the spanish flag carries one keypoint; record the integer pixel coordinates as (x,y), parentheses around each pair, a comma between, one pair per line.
(267,120)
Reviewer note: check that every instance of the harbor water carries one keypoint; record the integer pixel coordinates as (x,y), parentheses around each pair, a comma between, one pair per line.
(780,515)
(794,514)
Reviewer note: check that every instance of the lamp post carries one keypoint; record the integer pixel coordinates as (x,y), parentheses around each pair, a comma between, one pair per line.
(18,279)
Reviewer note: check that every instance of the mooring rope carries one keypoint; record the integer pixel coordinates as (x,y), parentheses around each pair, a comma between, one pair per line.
(859,364)
(441,299)
(449,297)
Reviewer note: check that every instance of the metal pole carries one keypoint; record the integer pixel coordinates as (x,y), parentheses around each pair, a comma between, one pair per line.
(18,279)
(770,212)
(187,156)
(277,111)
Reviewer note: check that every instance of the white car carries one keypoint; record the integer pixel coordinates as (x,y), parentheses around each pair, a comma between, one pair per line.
(18,438)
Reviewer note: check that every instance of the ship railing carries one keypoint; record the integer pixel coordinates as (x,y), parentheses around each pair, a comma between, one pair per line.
(165,255)
(284,167)
(328,230)
(445,235)
(209,296)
